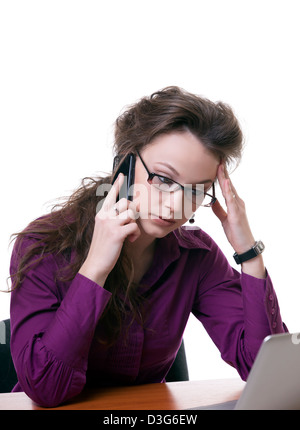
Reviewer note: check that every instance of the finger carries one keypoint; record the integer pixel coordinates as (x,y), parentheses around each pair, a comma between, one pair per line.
(128,216)
(226,174)
(131,231)
(222,177)
(121,206)
(111,197)
(229,196)
(232,196)
(125,209)
(134,206)
(219,211)
(233,190)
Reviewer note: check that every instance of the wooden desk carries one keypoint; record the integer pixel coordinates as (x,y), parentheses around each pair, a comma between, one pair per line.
(169,396)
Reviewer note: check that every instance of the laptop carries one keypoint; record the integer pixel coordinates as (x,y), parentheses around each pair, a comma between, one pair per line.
(274,380)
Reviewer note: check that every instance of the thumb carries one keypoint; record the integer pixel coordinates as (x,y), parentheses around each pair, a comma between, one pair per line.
(219,211)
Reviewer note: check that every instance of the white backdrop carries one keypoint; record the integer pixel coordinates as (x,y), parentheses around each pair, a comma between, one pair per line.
(69,67)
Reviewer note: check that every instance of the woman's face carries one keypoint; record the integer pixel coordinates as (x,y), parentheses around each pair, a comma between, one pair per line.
(179,156)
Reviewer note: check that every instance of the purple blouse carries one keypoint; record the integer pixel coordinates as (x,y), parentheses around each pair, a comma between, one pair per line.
(53,323)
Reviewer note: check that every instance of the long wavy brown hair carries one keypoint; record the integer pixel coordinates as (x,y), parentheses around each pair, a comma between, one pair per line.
(67,230)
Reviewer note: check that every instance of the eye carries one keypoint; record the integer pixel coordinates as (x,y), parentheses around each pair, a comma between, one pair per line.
(164,183)
(164,180)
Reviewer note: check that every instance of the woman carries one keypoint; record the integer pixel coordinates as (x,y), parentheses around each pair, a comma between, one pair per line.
(103,288)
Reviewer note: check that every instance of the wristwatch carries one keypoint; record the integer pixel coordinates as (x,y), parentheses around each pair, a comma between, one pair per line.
(256,249)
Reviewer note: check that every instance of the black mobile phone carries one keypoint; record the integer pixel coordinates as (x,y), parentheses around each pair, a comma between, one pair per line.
(127,167)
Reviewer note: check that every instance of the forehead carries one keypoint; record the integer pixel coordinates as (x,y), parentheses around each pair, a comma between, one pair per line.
(185,153)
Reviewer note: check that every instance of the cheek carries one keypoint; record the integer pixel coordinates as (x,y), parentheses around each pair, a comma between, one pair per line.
(142,197)
(188,209)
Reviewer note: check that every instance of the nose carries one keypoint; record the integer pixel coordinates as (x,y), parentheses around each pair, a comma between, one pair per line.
(171,204)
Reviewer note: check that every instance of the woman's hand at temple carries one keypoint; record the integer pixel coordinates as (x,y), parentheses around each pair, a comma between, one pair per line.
(235,224)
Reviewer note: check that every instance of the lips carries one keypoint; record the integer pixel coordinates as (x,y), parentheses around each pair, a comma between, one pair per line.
(162,221)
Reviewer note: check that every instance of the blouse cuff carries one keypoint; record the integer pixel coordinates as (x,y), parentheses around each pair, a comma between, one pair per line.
(261,291)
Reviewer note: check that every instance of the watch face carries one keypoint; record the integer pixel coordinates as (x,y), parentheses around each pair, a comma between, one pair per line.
(259,247)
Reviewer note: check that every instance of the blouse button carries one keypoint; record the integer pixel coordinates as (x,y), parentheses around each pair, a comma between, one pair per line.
(271,297)
(272,311)
(274,325)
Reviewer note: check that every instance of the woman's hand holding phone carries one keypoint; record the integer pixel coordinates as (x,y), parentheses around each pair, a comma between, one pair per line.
(115,222)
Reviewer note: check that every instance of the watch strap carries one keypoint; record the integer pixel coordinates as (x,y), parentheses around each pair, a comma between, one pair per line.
(253,252)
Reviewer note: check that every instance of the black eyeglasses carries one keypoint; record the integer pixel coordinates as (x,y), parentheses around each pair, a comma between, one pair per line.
(195,194)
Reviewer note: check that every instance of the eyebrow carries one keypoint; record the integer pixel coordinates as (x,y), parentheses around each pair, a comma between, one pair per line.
(163,163)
